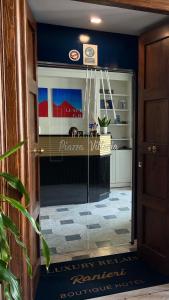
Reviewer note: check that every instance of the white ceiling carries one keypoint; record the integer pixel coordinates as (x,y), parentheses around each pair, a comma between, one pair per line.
(76,14)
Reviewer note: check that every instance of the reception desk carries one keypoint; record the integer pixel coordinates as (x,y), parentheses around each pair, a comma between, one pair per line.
(74,170)
(75,146)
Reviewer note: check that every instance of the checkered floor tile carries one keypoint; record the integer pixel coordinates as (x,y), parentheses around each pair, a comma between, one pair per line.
(88,226)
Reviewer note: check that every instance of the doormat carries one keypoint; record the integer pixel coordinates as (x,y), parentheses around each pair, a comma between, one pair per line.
(96,277)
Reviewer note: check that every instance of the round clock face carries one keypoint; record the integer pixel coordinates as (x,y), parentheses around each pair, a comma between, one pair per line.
(74,55)
(89,52)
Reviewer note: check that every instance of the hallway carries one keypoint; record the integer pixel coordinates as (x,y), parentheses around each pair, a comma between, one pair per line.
(88,227)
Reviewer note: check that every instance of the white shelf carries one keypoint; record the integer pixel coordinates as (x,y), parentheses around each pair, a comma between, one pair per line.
(118,124)
(111,109)
(115,95)
(122,139)
(121,110)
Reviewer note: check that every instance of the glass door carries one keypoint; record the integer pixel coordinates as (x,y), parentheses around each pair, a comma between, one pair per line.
(64,109)
(85,169)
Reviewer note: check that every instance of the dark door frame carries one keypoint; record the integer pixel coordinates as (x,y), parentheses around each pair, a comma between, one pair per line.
(155,6)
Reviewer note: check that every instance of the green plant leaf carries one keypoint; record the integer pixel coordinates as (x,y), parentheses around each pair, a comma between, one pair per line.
(45,251)
(7,291)
(25,251)
(16,184)
(14,203)
(108,122)
(7,276)
(4,246)
(11,151)
(8,223)
(4,251)
(104,122)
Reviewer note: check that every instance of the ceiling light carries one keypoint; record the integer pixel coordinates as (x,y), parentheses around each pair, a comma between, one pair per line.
(84,38)
(95,20)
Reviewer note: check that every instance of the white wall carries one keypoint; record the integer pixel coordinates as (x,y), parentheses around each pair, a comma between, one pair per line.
(59,78)
(76,79)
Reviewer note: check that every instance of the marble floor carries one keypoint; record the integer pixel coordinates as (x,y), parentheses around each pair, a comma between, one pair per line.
(112,214)
(153,293)
(80,229)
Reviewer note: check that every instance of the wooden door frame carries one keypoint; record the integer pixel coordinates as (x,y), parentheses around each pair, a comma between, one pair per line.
(13,94)
(155,6)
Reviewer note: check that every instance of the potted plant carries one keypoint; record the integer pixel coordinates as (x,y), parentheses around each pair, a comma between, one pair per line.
(104,123)
(11,287)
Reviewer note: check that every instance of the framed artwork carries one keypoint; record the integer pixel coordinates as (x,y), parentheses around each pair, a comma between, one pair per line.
(43,102)
(67,103)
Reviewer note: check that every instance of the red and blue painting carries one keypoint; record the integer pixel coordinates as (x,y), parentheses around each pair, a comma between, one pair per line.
(67,103)
(43,102)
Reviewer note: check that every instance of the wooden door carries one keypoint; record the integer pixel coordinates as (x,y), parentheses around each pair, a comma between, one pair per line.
(153,148)
(18,119)
(32,138)
(28,76)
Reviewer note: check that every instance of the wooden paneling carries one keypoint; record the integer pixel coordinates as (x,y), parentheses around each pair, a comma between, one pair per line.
(10,115)
(156,132)
(32,137)
(155,177)
(160,6)
(154,71)
(156,240)
(14,122)
(153,148)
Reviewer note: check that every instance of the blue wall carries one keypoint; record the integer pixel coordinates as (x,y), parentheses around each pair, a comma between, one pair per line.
(115,50)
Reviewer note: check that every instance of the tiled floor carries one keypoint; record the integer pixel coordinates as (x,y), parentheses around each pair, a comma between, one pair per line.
(81,229)
(153,293)
(113,215)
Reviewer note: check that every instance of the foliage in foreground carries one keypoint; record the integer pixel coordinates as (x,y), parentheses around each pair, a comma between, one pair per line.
(12,290)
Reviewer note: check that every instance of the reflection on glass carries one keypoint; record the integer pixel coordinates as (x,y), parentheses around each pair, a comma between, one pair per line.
(85,175)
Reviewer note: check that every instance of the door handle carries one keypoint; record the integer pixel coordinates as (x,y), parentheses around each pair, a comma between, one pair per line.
(41,150)
(38,151)
(154,149)
(140,164)
(149,148)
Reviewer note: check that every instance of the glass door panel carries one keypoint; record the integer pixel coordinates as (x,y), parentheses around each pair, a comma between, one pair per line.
(64,164)
(85,172)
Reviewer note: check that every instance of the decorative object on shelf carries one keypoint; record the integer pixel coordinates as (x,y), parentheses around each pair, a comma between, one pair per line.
(80,133)
(114,146)
(104,123)
(117,120)
(43,102)
(122,104)
(108,104)
(73,131)
(74,55)
(93,129)
(67,103)
(106,91)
